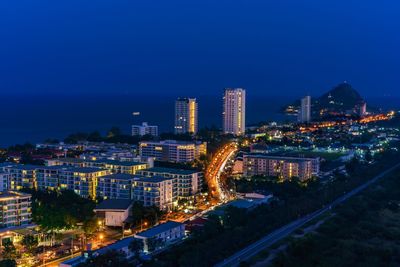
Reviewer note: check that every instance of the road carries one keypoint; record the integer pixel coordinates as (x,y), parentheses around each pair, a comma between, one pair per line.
(216,167)
(286,230)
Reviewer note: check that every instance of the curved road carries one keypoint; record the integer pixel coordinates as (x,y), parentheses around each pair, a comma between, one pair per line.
(286,230)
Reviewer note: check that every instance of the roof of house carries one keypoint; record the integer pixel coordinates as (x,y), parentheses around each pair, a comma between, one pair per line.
(120,163)
(85,169)
(114,204)
(161,228)
(170,170)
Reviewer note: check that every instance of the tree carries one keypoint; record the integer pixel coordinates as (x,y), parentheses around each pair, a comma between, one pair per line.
(9,250)
(114,131)
(8,263)
(30,243)
(89,227)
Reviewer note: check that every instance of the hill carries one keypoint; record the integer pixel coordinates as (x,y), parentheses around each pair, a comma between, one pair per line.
(341,99)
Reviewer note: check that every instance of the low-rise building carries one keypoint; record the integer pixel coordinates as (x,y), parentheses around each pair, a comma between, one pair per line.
(15,209)
(165,233)
(144,129)
(172,150)
(282,167)
(115,186)
(189,182)
(155,191)
(114,212)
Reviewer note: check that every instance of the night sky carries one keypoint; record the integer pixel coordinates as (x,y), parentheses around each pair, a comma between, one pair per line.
(198,47)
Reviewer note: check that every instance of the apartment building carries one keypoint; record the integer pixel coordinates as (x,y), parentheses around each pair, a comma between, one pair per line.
(189,182)
(282,167)
(172,150)
(15,209)
(83,181)
(115,166)
(155,191)
(144,129)
(21,176)
(115,186)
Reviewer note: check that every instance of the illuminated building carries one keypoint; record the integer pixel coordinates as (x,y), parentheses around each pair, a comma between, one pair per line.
(186,115)
(304,115)
(234,114)
(155,191)
(188,182)
(4,180)
(172,150)
(83,181)
(144,129)
(115,186)
(21,176)
(115,166)
(48,176)
(15,209)
(282,167)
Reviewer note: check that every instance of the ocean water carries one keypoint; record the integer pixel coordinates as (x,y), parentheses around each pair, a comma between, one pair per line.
(36,118)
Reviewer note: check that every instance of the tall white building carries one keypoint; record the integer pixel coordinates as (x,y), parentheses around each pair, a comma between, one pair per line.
(186,115)
(144,129)
(234,115)
(304,115)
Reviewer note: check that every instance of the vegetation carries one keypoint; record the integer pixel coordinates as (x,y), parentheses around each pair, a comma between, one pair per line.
(30,243)
(9,252)
(8,263)
(222,236)
(60,210)
(363,232)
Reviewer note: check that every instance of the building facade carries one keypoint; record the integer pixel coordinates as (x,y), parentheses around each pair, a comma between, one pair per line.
(115,186)
(144,129)
(188,182)
(234,114)
(155,191)
(186,118)
(83,181)
(284,168)
(21,176)
(15,209)
(171,150)
(304,115)
(167,232)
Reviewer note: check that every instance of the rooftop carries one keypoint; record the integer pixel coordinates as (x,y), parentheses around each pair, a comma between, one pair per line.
(154,179)
(85,169)
(120,176)
(171,170)
(114,204)
(12,194)
(159,229)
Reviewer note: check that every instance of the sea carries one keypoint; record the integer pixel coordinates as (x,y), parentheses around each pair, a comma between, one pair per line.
(36,118)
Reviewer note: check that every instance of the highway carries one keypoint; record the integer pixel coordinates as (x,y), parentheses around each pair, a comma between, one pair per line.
(279,234)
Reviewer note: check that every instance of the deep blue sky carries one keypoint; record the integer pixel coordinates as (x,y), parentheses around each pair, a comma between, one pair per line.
(198,47)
